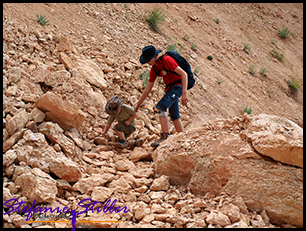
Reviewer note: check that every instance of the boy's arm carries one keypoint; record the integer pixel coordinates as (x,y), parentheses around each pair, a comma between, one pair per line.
(144,95)
(130,120)
(183,74)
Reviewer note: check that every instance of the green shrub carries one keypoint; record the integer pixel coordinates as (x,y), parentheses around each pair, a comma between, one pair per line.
(294,84)
(194,46)
(196,71)
(209,57)
(246,48)
(248,110)
(284,33)
(145,78)
(42,20)
(155,18)
(174,46)
(251,70)
(277,55)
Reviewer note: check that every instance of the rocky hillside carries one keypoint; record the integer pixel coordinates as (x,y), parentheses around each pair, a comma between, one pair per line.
(57,79)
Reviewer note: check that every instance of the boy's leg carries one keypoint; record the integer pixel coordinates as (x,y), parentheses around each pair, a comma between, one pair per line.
(174,111)
(164,123)
(178,125)
(170,99)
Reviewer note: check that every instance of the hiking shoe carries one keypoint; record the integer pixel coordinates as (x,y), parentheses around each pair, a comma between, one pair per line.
(163,136)
(138,142)
(135,143)
(121,144)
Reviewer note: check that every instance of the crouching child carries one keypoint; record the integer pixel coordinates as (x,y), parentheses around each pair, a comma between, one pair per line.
(125,116)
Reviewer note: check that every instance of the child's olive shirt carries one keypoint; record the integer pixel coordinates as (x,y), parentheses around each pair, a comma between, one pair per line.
(124,115)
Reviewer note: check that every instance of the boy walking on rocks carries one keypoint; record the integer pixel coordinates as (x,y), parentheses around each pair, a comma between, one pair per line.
(125,116)
(176,82)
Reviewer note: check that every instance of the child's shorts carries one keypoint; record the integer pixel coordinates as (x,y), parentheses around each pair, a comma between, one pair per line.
(127,130)
(171,101)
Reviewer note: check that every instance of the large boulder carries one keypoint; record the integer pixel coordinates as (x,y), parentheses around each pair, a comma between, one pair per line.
(35,151)
(65,113)
(217,158)
(277,138)
(35,184)
(91,72)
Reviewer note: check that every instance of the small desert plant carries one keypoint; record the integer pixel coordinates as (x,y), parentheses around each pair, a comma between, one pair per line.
(263,71)
(284,33)
(217,21)
(251,70)
(186,37)
(174,46)
(294,84)
(145,78)
(155,18)
(246,48)
(274,41)
(219,81)
(42,20)
(277,55)
(248,110)
(209,57)
(194,46)
(196,71)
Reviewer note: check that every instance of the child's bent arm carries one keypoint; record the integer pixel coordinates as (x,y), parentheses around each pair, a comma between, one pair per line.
(107,126)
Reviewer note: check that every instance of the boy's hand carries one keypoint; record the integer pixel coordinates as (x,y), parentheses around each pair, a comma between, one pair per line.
(127,123)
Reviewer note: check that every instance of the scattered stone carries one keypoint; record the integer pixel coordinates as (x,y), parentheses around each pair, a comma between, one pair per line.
(37,185)
(66,114)
(160,184)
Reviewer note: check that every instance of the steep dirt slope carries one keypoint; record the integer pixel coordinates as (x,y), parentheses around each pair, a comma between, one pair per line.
(110,37)
(120,32)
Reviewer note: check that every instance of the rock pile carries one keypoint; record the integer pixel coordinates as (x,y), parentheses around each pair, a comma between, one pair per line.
(223,157)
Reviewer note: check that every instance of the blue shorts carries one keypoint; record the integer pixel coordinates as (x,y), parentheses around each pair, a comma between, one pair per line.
(171,101)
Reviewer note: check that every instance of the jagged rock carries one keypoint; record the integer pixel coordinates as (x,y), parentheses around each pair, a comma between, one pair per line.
(139,210)
(218,218)
(17,122)
(37,185)
(65,169)
(66,114)
(101,193)
(138,153)
(55,134)
(232,211)
(14,74)
(160,184)
(124,165)
(86,185)
(7,144)
(40,74)
(210,166)
(69,64)
(9,157)
(92,73)
(277,138)
(66,45)
(37,115)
